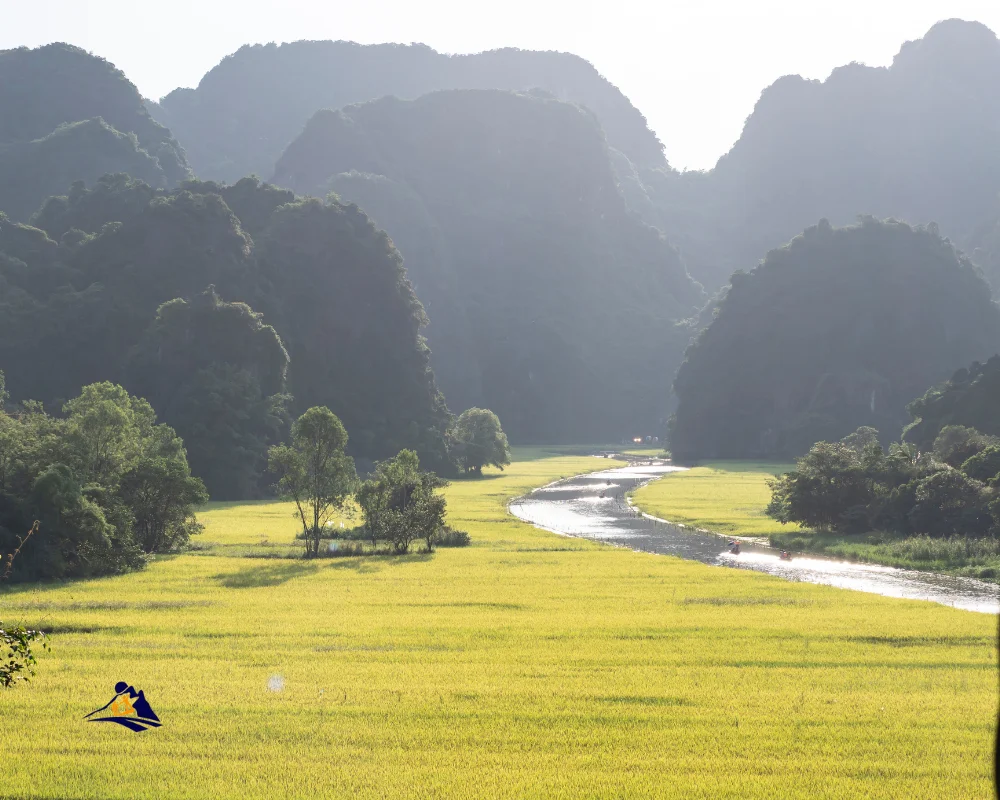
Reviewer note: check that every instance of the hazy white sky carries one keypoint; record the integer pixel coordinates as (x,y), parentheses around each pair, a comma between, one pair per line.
(695,69)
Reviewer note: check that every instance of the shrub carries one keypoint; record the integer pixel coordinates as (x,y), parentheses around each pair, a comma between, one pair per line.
(17,660)
(449,537)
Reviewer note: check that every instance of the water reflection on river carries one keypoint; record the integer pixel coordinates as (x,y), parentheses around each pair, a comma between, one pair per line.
(594,507)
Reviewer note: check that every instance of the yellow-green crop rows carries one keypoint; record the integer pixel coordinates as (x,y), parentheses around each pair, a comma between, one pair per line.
(526,665)
(723,496)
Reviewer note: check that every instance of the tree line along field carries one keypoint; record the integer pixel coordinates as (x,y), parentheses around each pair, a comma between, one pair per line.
(527,664)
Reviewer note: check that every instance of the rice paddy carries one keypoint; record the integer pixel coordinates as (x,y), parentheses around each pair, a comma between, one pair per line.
(524,665)
(722,496)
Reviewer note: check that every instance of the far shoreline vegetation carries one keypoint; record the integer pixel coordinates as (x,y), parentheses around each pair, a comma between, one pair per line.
(730,497)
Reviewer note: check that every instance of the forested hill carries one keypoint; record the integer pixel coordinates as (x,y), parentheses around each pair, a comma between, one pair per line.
(247,109)
(66,115)
(128,283)
(840,328)
(550,302)
(916,141)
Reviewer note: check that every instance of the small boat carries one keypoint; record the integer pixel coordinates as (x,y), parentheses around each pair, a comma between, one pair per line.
(785,556)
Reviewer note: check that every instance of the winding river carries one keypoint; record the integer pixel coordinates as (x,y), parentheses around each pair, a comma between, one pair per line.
(594,506)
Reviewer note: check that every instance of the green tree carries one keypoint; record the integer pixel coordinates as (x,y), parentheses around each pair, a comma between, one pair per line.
(400,503)
(477,440)
(17,660)
(826,485)
(427,511)
(948,503)
(314,471)
(956,444)
(105,484)
(970,398)
(161,493)
(985,465)
(108,427)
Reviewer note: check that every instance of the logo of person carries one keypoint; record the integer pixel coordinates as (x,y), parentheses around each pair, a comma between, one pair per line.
(128,708)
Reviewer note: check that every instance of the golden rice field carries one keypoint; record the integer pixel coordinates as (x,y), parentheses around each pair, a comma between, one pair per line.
(526,665)
(723,496)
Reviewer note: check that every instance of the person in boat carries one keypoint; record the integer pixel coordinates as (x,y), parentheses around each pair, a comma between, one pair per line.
(734,547)
(785,556)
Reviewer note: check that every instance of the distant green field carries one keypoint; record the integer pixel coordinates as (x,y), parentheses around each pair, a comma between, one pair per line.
(724,496)
(525,665)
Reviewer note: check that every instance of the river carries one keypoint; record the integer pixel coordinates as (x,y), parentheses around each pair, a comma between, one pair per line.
(594,506)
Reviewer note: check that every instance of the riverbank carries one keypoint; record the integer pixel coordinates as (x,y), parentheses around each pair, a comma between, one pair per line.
(729,497)
(527,664)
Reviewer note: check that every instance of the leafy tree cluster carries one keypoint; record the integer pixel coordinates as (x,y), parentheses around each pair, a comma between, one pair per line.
(109,283)
(399,500)
(855,486)
(400,503)
(550,302)
(98,488)
(840,328)
(476,440)
(67,115)
(971,398)
(247,109)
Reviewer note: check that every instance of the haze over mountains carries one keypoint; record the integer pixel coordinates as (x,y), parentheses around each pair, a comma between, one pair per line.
(916,141)
(540,285)
(254,103)
(556,263)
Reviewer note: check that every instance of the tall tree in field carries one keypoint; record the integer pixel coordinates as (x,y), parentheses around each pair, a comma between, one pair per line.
(314,471)
(477,440)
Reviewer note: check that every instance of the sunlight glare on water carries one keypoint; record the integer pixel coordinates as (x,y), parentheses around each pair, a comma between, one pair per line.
(574,507)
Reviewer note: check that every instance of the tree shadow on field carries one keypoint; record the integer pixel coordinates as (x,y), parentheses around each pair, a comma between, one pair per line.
(489,476)
(265,575)
(369,564)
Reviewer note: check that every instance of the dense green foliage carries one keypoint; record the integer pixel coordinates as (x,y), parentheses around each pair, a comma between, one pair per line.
(915,141)
(476,440)
(352,323)
(17,659)
(32,171)
(216,373)
(971,397)
(550,302)
(314,471)
(67,115)
(400,503)
(855,486)
(100,291)
(247,109)
(840,328)
(105,482)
